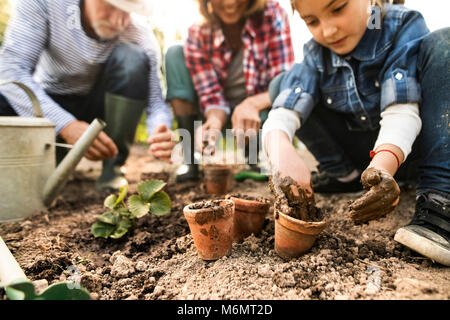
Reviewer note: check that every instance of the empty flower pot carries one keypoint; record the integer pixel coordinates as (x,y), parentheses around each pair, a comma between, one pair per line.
(294,237)
(249,215)
(217,178)
(211,225)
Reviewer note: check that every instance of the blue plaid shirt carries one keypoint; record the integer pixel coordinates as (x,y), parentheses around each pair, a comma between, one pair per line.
(379,72)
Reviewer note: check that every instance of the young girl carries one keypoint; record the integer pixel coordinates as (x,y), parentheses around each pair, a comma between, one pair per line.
(224,69)
(369,87)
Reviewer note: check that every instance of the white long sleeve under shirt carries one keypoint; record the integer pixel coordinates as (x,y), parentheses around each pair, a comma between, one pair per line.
(400,125)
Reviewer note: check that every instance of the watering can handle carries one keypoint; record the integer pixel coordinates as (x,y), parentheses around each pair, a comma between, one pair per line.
(9,268)
(36,105)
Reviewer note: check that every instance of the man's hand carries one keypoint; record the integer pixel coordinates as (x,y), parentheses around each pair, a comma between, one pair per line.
(162,143)
(382,197)
(102,148)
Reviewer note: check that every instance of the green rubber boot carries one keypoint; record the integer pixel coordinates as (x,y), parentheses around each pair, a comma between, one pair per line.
(122,116)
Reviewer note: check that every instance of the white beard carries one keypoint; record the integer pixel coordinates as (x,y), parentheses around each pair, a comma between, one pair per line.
(103,30)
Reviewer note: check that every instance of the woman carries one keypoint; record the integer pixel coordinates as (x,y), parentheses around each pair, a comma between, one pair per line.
(225,67)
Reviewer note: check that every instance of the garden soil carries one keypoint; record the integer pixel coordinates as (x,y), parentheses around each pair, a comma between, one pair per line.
(158,259)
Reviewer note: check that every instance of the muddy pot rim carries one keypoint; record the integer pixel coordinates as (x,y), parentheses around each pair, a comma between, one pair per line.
(253,206)
(305,227)
(215,171)
(224,204)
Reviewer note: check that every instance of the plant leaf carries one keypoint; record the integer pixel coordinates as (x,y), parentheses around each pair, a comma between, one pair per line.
(118,233)
(125,212)
(110,217)
(160,203)
(110,201)
(101,229)
(147,189)
(138,208)
(122,228)
(125,223)
(122,194)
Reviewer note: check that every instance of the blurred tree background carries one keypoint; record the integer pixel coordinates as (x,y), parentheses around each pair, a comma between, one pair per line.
(5,13)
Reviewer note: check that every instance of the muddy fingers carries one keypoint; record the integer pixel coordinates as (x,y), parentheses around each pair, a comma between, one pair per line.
(359,218)
(292,199)
(371,177)
(381,199)
(373,196)
(385,200)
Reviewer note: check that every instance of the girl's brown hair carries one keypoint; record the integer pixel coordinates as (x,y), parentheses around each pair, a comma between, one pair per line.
(206,11)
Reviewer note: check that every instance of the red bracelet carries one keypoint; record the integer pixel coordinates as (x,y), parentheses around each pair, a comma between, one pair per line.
(373,153)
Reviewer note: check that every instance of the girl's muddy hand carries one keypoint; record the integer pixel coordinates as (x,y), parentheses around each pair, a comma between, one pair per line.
(285,160)
(382,197)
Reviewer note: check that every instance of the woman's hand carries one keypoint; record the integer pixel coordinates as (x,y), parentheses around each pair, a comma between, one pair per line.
(162,143)
(246,117)
(207,134)
(285,160)
(382,197)
(246,114)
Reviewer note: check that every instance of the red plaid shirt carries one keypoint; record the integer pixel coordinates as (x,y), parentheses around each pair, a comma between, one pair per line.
(267,52)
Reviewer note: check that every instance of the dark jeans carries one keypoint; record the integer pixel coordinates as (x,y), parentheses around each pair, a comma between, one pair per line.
(339,150)
(125,73)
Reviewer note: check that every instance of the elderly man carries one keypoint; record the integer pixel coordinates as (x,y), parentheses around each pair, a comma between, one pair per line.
(85,59)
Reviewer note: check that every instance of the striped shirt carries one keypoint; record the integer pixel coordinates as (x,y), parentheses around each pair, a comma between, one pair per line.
(47,49)
(267,52)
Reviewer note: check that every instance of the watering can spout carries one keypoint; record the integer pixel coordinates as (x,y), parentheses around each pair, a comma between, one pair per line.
(59,177)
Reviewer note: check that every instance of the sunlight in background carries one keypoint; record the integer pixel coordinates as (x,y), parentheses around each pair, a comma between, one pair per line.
(175,16)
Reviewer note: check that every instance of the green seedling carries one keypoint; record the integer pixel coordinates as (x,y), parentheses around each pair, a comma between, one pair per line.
(81,260)
(122,215)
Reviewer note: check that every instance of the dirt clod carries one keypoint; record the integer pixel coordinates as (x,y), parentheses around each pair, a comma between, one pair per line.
(294,201)
(122,267)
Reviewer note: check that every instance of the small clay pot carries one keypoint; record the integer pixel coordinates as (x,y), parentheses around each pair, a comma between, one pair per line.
(294,237)
(211,228)
(249,216)
(217,178)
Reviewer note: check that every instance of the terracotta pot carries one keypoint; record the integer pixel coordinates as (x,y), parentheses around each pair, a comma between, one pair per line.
(249,216)
(217,178)
(294,237)
(211,228)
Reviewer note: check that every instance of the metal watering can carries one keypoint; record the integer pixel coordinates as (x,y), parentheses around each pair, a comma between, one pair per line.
(28,179)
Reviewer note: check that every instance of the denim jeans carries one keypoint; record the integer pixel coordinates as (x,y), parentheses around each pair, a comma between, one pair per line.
(125,73)
(339,150)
